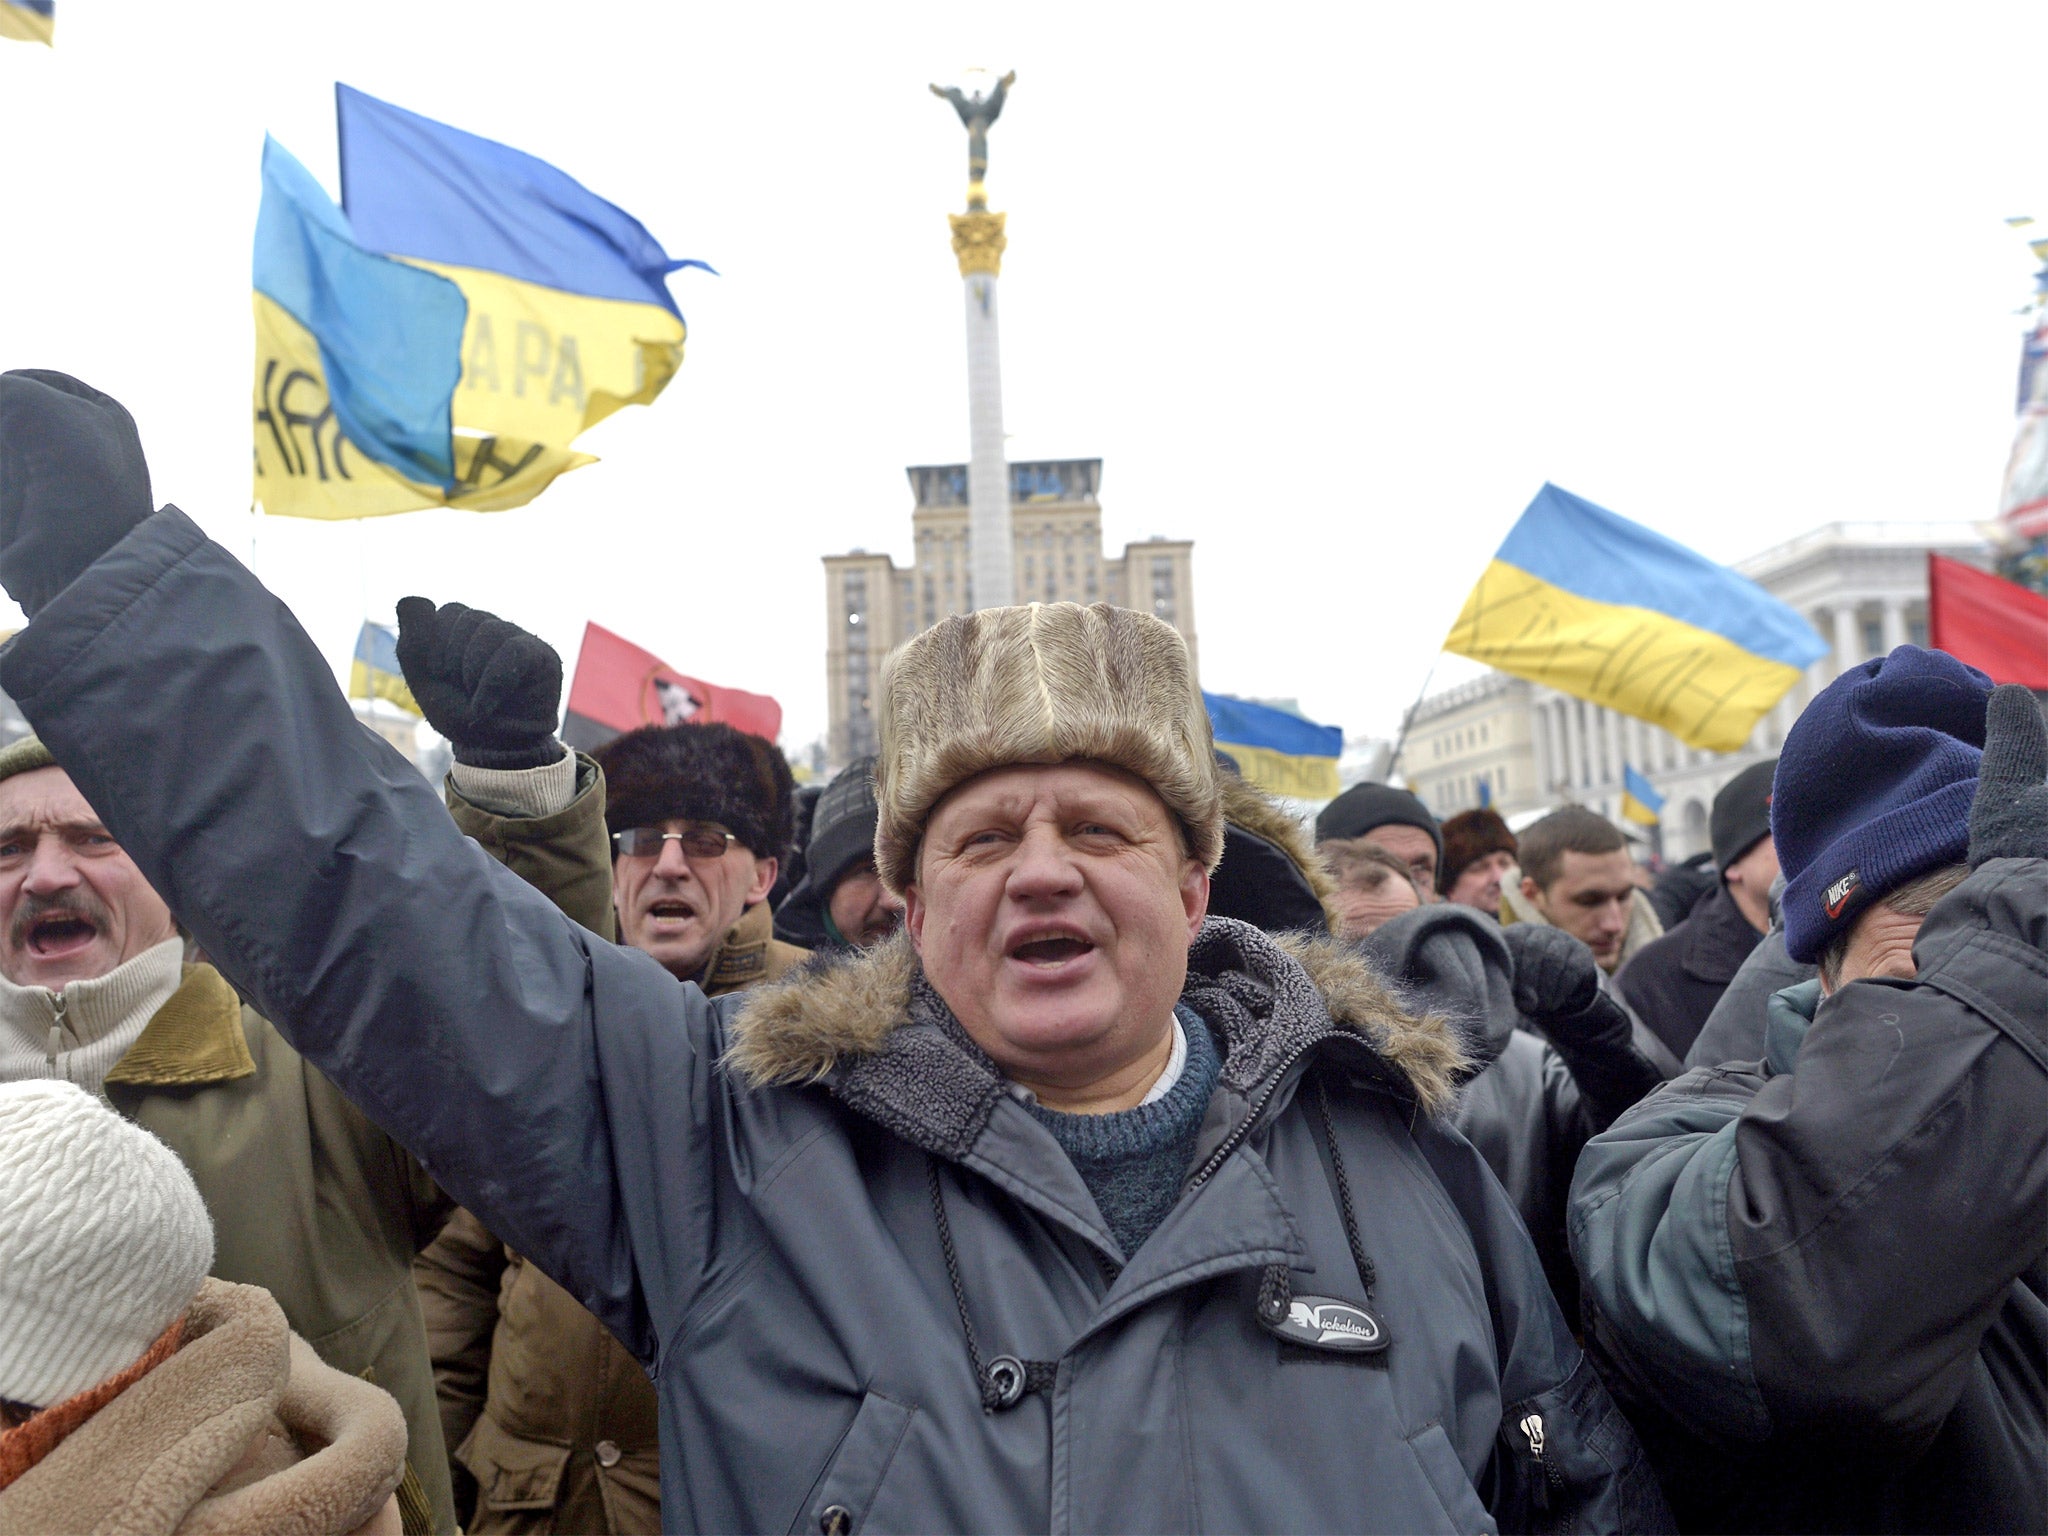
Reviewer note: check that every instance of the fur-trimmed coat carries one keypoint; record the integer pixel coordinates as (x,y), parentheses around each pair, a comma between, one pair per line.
(791,1203)
(241,1432)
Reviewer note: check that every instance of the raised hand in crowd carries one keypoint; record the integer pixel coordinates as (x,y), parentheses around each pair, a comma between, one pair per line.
(490,687)
(73,481)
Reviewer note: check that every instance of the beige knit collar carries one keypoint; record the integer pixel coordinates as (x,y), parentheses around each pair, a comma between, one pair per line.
(122,1001)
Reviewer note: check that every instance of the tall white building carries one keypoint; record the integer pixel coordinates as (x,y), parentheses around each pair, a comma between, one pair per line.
(1863,587)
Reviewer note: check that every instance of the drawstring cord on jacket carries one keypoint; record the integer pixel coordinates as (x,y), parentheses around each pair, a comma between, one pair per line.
(1005,1380)
(1366,1335)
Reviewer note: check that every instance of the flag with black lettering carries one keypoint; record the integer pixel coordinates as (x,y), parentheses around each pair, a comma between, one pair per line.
(570,316)
(357,361)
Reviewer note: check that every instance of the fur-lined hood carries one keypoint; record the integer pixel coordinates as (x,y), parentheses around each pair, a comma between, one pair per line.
(872,1029)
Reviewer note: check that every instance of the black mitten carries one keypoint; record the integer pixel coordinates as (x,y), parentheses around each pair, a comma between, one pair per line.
(487,685)
(73,482)
(2009,816)
(1555,975)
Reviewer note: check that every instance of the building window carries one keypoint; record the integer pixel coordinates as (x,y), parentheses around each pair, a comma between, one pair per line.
(1916,629)
(1873,638)
(1162,590)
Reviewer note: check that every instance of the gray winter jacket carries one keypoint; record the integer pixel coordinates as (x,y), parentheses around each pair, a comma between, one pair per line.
(1819,1282)
(806,1209)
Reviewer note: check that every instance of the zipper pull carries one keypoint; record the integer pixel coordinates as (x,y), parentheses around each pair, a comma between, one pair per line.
(1532,1427)
(56,1029)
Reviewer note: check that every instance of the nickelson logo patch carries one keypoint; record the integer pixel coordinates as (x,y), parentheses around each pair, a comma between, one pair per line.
(1836,896)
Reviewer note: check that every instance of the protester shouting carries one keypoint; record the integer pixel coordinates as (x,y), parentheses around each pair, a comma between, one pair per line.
(310,1201)
(1820,1281)
(549,1417)
(1068,1209)
(137,1395)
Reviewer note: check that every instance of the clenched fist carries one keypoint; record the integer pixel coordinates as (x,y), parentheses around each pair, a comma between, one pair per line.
(487,685)
(73,482)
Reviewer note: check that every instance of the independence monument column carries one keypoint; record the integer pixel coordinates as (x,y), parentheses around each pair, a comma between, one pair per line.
(978,242)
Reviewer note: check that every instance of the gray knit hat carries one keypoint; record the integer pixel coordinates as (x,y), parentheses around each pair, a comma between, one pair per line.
(103,1241)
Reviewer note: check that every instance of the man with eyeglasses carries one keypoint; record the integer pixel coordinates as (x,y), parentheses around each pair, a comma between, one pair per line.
(541,1405)
(700,817)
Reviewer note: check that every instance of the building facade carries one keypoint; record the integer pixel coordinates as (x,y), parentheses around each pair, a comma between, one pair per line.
(1474,745)
(872,605)
(1863,587)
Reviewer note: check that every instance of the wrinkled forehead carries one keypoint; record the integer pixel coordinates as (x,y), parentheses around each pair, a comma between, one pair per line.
(43,797)
(1023,790)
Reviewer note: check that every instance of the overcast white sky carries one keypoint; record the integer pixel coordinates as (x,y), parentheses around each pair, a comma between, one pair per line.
(1330,289)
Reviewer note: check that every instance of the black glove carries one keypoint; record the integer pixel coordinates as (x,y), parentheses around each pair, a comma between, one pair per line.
(491,688)
(73,482)
(1557,988)
(2009,816)
(1555,975)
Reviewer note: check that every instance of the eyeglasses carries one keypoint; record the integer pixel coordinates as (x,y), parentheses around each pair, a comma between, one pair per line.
(701,840)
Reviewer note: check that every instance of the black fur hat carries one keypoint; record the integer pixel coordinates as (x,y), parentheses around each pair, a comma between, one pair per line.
(700,773)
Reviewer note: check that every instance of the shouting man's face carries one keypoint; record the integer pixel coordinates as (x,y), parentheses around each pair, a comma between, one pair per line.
(72,904)
(1053,911)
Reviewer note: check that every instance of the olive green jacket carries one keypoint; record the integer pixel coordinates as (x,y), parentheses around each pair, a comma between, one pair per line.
(309,1200)
(549,1414)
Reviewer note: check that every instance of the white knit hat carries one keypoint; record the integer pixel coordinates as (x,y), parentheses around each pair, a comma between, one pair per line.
(103,1241)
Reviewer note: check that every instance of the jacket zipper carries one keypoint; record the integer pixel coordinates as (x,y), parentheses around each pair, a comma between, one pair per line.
(56,1030)
(1243,1128)
(1552,1480)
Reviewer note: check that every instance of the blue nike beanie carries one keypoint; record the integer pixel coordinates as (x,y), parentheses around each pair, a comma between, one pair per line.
(1874,787)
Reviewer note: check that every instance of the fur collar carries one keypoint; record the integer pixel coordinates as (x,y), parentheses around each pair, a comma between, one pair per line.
(870,1028)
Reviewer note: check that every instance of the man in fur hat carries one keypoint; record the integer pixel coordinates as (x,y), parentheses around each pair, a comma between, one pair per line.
(1071,1208)
(700,820)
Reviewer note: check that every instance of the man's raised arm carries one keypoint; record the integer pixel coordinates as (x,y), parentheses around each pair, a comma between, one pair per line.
(514,1053)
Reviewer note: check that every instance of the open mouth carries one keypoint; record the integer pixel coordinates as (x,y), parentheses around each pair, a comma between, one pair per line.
(671,911)
(60,933)
(1053,950)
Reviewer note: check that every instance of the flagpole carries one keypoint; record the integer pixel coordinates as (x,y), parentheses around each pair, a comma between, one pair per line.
(1401,741)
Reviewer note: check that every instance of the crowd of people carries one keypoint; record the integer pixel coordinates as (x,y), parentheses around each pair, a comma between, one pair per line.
(1036,1128)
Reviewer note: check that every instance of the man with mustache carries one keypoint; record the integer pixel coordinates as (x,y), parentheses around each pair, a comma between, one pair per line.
(309,1199)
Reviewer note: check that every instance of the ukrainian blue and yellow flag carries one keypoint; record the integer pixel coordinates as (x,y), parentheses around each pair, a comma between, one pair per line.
(1280,752)
(1604,609)
(375,673)
(569,317)
(1640,802)
(29,21)
(357,361)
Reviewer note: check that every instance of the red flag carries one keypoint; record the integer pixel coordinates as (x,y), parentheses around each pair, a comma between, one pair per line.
(1995,625)
(619,687)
